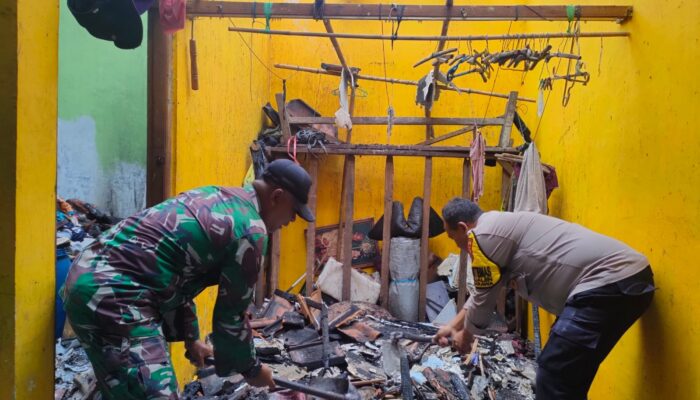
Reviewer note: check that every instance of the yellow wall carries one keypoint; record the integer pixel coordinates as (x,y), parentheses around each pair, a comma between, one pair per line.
(625,150)
(28,75)
(214,127)
(622,148)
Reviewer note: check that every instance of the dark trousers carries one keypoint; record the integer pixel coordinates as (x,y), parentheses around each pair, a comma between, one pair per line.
(585,332)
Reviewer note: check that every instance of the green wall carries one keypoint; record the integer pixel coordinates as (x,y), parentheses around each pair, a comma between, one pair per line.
(102,116)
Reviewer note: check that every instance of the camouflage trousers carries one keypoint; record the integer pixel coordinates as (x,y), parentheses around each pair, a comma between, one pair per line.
(127,366)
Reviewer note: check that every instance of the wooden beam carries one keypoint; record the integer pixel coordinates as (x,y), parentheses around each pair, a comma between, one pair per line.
(507,126)
(159,150)
(311,228)
(446,136)
(359,76)
(423,38)
(436,69)
(394,150)
(347,203)
(424,242)
(284,117)
(226,9)
(386,229)
(347,227)
(462,283)
(275,251)
(260,291)
(401,121)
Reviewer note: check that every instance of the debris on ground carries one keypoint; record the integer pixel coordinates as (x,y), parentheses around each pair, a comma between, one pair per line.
(500,365)
(74,379)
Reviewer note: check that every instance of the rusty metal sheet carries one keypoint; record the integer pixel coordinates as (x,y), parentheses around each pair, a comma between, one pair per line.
(361,332)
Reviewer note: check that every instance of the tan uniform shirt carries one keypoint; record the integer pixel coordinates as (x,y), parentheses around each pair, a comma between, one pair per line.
(547,259)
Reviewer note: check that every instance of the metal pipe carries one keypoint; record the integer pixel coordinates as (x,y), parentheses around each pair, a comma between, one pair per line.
(468,38)
(308,390)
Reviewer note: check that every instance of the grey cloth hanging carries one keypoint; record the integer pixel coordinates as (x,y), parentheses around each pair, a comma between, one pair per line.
(531,194)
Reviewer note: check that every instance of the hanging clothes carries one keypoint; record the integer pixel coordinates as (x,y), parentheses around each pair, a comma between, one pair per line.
(530,194)
(477,159)
(172,15)
(342,116)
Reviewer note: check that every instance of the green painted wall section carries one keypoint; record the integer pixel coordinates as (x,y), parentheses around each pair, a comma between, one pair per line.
(107,84)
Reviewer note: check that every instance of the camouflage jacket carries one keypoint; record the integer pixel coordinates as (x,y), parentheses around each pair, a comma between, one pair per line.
(166,255)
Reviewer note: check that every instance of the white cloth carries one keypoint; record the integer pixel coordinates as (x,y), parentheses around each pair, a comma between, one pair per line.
(531,194)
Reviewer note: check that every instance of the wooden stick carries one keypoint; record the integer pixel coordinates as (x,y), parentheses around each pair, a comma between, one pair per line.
(311,228)
(400,121)
(465,38)
(347,192)
(393,150)
(347,228)
(436,68)
(462,283)
(424,243)
(446,136)
(284,117)
(434,55)
(416,12)
(507,126)
(386,232)
(397,81)
(274,262)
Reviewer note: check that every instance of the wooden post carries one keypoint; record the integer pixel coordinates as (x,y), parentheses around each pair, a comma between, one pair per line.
(284,117)
(274,263)
(424,242)
(386,232)
(311,228)
(348,191)
(507,126)
(347,228)
(462,285)
(260,284)
(160,86)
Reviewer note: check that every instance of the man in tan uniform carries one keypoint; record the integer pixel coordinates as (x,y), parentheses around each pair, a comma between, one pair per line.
(598,287)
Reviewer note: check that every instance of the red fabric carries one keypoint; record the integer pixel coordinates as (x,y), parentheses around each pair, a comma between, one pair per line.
(172,15)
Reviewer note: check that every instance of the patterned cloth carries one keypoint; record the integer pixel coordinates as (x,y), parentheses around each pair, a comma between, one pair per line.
(133,289)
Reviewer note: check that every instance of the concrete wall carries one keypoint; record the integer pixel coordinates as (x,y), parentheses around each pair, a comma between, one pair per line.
(102,120)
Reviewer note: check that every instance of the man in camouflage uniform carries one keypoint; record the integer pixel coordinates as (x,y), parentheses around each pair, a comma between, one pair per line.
(133,290)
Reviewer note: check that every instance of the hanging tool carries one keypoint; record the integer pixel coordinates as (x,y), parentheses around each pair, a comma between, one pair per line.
(194,71)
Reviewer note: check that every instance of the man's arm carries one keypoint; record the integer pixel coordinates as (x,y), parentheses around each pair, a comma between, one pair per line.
(181,323)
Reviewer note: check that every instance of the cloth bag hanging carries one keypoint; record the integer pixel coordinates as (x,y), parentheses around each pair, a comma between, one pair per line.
(531,193)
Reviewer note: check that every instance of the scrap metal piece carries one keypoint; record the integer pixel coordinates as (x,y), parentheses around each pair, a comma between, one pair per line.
(311,357)
(406,382)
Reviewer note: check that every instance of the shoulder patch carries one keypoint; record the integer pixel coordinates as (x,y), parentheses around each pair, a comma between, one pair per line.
(486,272)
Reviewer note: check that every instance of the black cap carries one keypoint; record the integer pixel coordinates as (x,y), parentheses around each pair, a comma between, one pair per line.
(113,20)
(291,177)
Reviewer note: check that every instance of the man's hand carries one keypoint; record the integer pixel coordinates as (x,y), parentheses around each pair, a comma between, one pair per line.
(263,378)
(443,335)
(462,341)
(197,351)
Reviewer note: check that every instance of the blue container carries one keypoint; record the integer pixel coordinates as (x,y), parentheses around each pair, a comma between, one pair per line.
(63,263)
